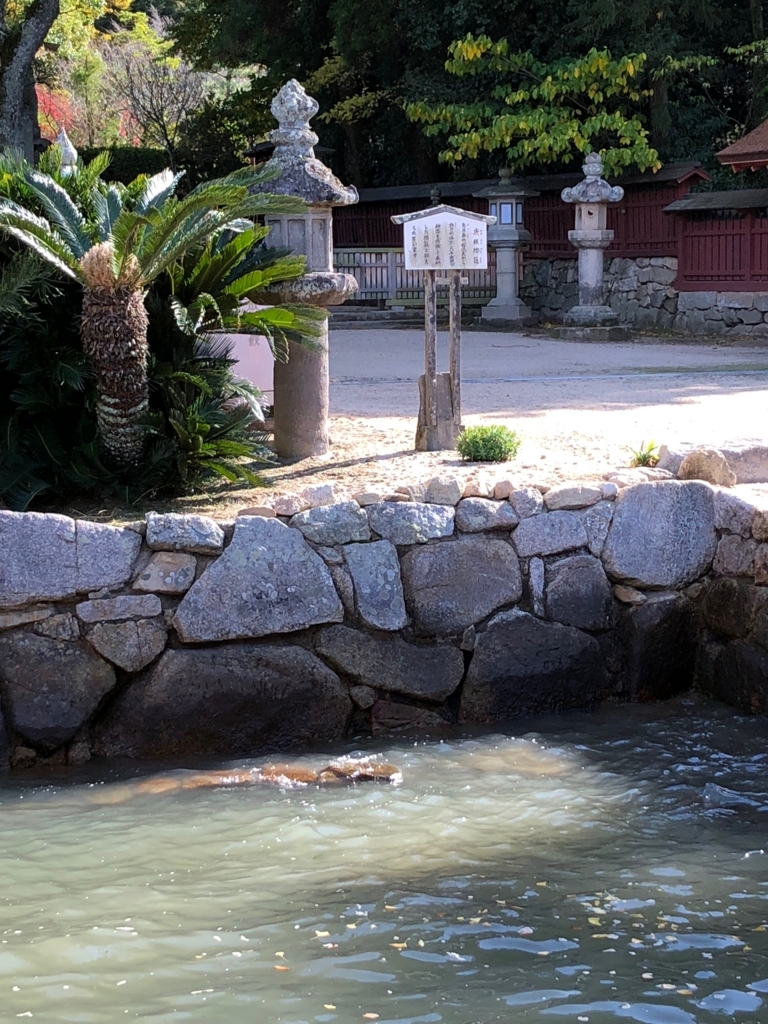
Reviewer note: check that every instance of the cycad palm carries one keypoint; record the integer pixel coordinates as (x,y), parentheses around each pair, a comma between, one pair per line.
(116,255)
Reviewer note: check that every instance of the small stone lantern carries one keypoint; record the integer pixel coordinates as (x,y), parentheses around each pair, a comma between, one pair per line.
(301,384)
(591,237)
(507,236)
(68,153)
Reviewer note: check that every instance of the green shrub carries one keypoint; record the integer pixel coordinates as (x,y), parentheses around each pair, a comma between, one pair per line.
(127,162)
(488,444)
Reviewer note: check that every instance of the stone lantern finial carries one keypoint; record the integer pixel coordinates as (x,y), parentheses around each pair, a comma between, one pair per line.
(293,109)
(68,153)
(594,188)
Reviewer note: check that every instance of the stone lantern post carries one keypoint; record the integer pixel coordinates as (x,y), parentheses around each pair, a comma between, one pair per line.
(507,236)
(68,153)
(301,384)
(591,237)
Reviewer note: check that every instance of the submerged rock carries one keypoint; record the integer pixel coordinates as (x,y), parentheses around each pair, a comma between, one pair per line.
(50,688)
(522,665)
(389,663)
(719,796)
(227,700)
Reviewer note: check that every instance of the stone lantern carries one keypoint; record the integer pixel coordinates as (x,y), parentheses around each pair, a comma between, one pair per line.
(68,153)
(301,384)
(507,236)
(591,237)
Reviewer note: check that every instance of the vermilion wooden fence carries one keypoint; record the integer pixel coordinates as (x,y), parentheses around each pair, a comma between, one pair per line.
(640,226)
(724,250)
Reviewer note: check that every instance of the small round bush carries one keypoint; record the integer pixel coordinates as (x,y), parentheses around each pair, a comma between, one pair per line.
(488,444)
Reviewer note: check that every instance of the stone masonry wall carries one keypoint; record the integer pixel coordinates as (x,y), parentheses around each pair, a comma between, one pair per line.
(451,602)
(641,291)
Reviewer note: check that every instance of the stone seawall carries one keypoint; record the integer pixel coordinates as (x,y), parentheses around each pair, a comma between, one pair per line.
(642,292)
(180,636)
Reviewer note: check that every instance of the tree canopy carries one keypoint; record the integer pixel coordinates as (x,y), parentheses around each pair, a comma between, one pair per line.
(368,64)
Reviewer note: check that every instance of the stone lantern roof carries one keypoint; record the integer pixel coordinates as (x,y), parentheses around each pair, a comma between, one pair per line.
(594,188)
(300,173)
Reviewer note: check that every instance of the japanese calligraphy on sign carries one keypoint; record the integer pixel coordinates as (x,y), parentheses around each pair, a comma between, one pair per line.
(445,238)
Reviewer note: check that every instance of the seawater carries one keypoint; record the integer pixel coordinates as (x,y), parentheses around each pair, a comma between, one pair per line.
(568,871)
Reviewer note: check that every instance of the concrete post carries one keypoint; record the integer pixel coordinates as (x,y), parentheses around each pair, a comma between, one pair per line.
(301,384)
(591,236)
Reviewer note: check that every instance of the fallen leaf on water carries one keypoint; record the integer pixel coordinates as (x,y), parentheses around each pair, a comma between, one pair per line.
(371,1016)
(328,1006)
(542,885)
(352,926)
(399,945)
(421,943)
(647,976)
(595,921)
(760,928)
(280,954)
(322,935)
(330,945)
(474,920)
(389,908)
(281,967)
(685,992)
(543,952)
(666,986)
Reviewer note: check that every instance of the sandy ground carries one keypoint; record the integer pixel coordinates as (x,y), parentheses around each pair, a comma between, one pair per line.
(579,408)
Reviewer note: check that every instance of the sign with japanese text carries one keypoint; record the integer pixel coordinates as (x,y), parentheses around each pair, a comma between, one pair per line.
(444,239)
(446,243)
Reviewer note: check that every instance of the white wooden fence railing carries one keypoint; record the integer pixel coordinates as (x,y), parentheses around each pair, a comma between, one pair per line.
(381,274)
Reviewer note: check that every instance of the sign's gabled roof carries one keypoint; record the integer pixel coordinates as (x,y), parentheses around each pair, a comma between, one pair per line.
(434,211)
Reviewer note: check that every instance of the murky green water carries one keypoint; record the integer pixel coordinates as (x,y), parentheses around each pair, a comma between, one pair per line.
(579,876)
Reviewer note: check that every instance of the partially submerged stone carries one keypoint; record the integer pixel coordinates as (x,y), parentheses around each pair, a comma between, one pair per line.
(549,534)
(333,524)
(129,645)
(659,647)
(167,572)
(707,464)
(477,515)
(730,606)
(229,700)
(429,673)
(375,573)
(522,665)
(50,688)
(269,580)
(389,717)
(448,587)
(410,522)
(170,531)
(662,534)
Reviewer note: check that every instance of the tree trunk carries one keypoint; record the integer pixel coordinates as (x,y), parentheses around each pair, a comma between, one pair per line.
(18,47)
(113,329)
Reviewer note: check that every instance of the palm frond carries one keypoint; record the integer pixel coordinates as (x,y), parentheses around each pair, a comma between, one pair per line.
(159,188)
(37,234)
(61,210)
(108,209)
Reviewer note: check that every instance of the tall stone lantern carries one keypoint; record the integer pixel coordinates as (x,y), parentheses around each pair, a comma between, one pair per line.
(507,236)
(301,384)
(591,237)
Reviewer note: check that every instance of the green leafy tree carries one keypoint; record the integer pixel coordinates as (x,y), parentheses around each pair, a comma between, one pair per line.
(115,243)
(538,113)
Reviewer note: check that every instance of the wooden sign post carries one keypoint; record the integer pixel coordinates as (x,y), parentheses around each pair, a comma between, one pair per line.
(440,239)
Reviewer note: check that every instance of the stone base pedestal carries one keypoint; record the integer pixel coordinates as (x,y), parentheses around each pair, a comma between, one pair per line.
(615,333)
(591,316)
(514,312)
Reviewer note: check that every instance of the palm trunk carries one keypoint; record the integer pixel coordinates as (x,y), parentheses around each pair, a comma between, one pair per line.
(113,329)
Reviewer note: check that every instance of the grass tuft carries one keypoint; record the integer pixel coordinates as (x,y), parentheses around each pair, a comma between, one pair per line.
(488,444)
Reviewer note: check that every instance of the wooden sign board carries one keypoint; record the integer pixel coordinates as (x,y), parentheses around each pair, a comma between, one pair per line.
(445,238)
(442,240)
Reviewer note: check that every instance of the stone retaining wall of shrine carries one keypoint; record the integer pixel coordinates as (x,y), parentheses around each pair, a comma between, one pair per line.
(642,292)
(308,623)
